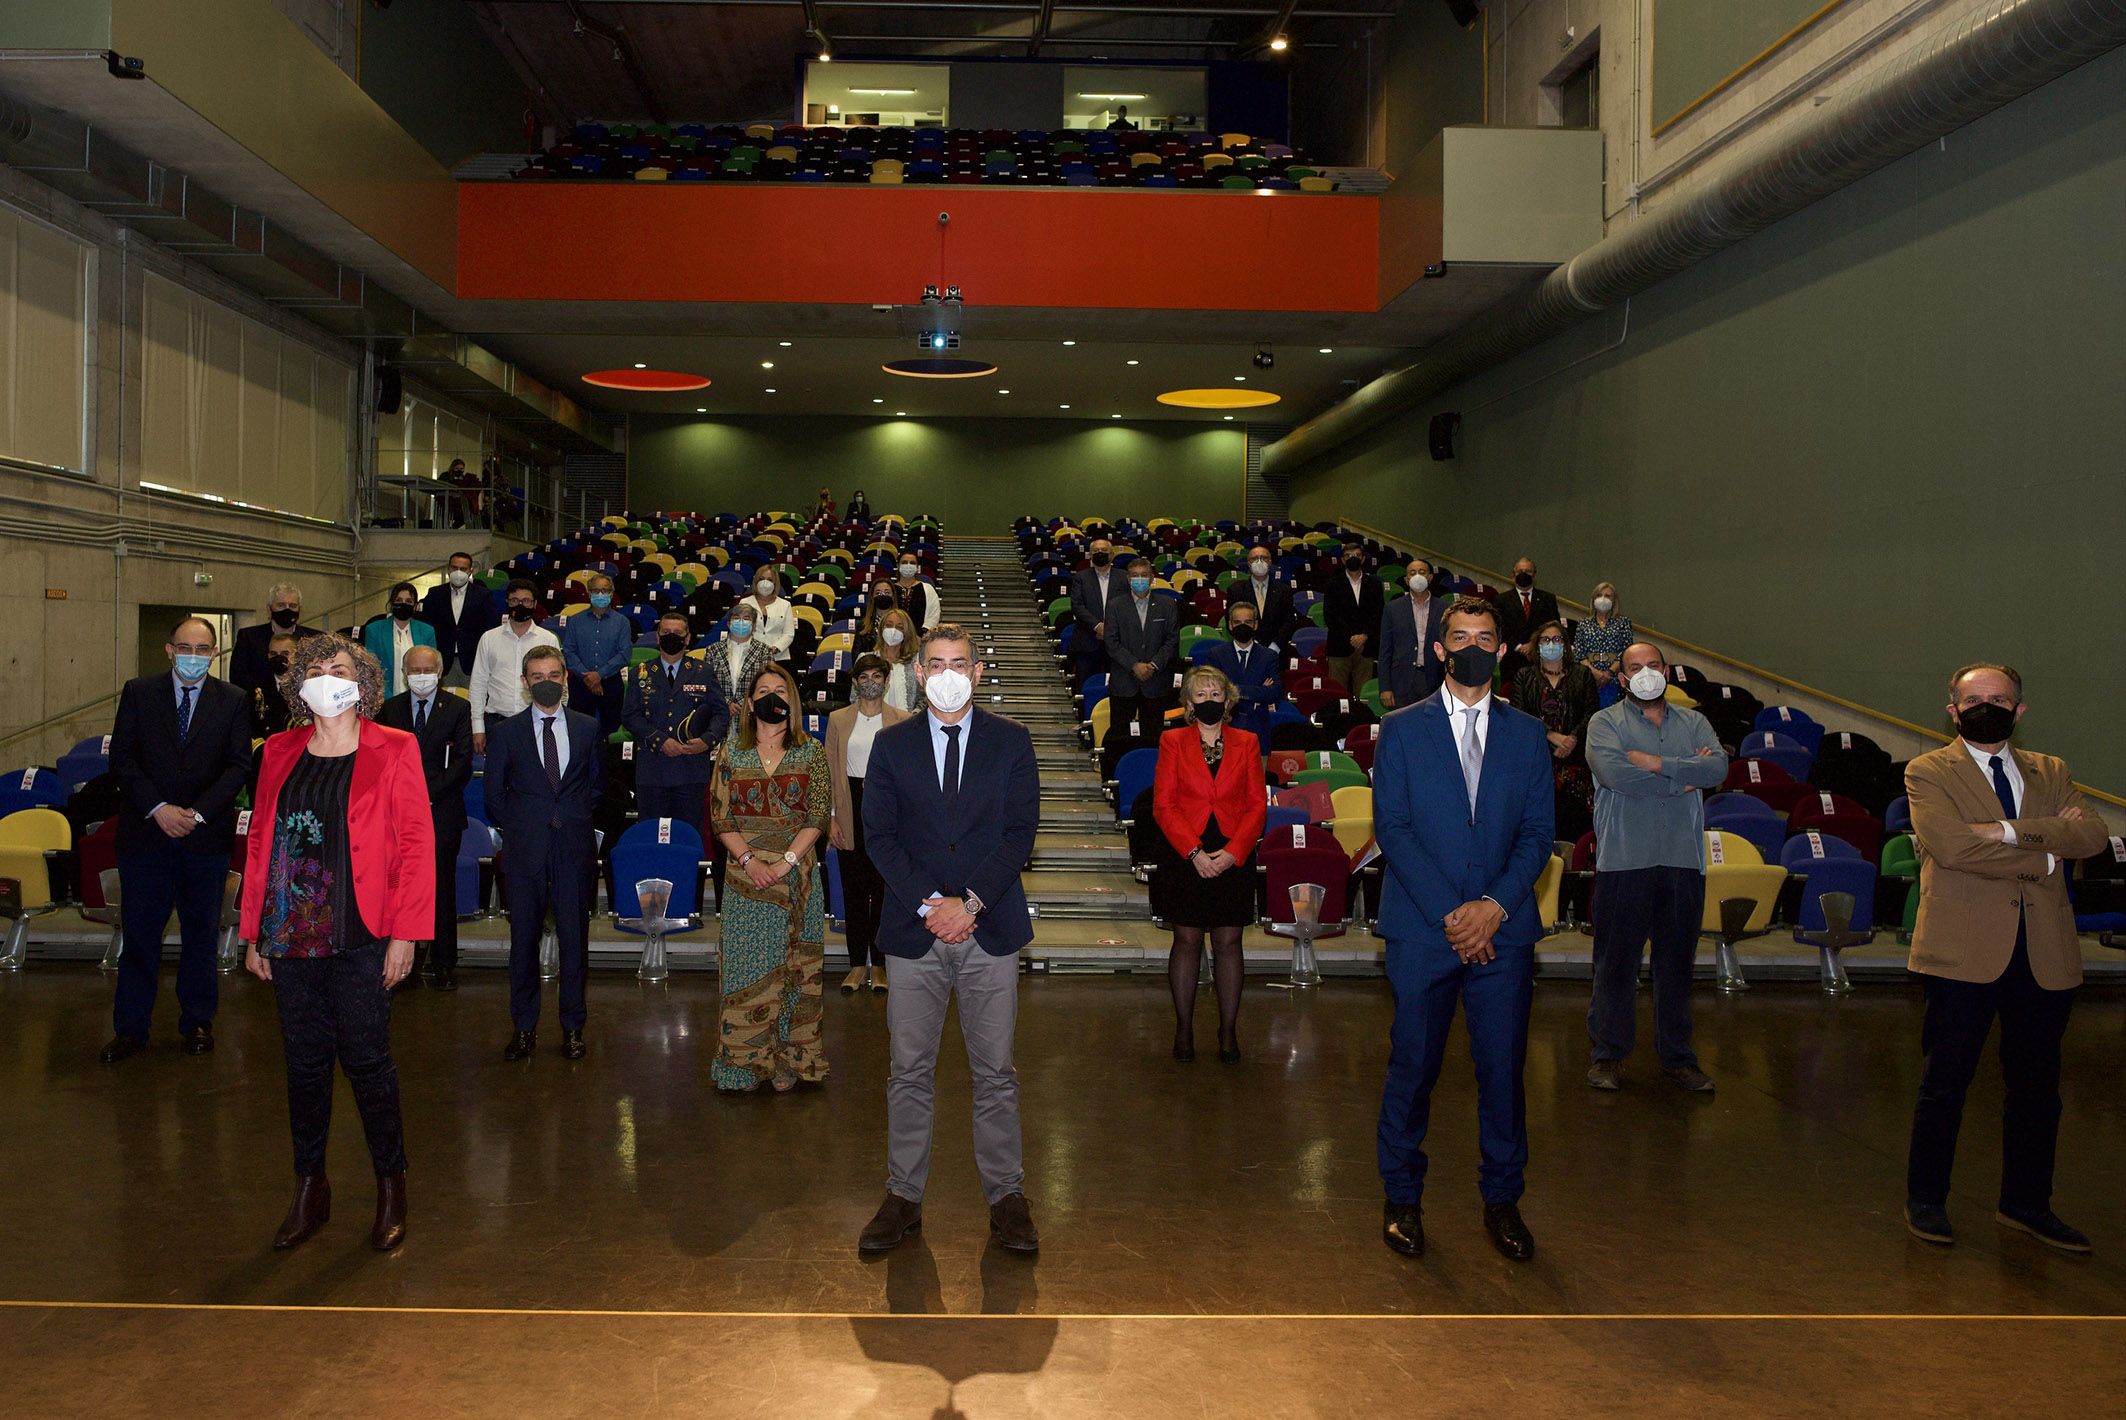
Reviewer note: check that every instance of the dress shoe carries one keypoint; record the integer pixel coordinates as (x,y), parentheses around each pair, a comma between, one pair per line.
(197,1041)
(1929,1222)
(854,981)
(2044,1225)
(1184,1049)
(1691,1078)
(1402,1228)
(1602,1075)
(445,979)
(1011,1224)
(1229,1053)
(878,981)
(896,1218)
(120,1047)
(1508,1233)
(520,1045)
(572,1047)
(312,1205)
(390,1229)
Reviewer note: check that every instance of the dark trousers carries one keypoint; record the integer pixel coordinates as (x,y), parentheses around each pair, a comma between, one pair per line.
(1428,980)
(604,706)
(863,890)
(1631,908)
(1149,712)
(684,802)
(336,1008)
(562,883)
(151,881)
(443,947)
(1959,1017)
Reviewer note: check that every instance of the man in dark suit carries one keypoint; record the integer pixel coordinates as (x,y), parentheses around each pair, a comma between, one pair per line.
(542,781)
(1409,670)
(251,649)
(1524,607)
(1275,616)
(1355,600)
(1462,811)
(676,712)
(1256,670)
(443,725)
(1143,632)
(460,612)
(180,751)
(951,801)
(1090,590)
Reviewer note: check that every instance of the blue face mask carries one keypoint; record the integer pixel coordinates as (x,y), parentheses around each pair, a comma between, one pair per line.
(1140,585)
(1551,651)
(193,667)
(741,629)
(601,600)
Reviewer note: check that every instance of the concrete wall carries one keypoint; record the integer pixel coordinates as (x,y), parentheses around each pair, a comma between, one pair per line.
(974,475)
(1878,440)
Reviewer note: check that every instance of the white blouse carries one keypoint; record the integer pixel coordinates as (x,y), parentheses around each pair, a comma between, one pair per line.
(774,626)
(867,728)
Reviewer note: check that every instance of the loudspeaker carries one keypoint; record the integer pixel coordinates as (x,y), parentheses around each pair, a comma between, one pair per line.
(1465,11)
(1444,428)
(388,390)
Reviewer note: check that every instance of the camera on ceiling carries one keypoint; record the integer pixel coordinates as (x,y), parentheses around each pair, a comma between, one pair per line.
(1264,359)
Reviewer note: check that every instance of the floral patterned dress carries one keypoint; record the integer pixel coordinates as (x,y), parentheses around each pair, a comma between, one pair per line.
(309,907)
(774,938)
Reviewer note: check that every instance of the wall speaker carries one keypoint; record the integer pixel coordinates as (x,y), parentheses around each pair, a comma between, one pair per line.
(1444,428)
(1465,11)
(388,390)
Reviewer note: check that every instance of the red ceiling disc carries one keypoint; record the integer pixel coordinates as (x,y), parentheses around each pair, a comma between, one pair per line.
(653,381)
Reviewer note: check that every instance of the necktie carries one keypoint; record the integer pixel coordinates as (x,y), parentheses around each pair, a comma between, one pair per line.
(1528,606)
(184,724)
(551,751)
(2002,789)
(952,765)
(1472,759)
(671,676)
(420,716)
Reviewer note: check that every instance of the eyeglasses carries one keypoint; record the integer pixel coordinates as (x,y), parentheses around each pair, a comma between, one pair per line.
(960,664)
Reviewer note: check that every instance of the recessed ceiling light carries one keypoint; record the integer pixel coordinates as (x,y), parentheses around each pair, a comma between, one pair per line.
(1240,379)
(1228,418)
(1114,416)
(1327,351)
(1070,342)
(900,414)
(768,391)
(1003,391)
(640,366)
(878,401)
(1083,95)
(784,344)
(1132,362)
(767,364)
(1062,406)
(885,93)
(701,409)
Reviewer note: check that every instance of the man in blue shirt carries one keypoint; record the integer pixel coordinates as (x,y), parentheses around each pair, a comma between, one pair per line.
(596,645)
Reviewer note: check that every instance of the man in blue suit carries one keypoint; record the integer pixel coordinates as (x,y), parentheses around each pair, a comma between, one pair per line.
(951,800)
(1255,669)
(1462,811)
(542,781)
(1409,628)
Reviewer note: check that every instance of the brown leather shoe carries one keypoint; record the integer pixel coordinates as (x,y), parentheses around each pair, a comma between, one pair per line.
(390,1229)
(1011,1224)
(896,1220)
(308,1212)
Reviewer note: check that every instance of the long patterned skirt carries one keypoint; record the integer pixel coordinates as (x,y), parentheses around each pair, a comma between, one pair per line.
(772,959)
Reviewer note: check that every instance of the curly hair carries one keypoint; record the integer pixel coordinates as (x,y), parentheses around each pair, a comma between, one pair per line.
(1209,675)
(311,650)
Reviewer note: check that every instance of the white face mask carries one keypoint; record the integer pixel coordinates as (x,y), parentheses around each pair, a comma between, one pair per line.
(1648,684)
(459,576)
(766,589)
(910,569)
(1417,585)
(947,690)
(330,696)
(891,635)
(422,683)
(1259,567)
(1605,605)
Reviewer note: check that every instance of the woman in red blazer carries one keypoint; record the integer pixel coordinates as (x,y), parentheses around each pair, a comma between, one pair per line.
(339,882)
(1209,801)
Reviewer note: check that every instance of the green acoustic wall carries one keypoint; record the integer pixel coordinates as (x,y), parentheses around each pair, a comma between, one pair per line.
(1879,439)
(975,475)
(432,67)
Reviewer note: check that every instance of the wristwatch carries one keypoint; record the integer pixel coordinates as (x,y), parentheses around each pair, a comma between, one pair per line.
(746,859)
(791,858)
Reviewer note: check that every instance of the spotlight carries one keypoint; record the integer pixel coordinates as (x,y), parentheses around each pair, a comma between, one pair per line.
(1264,359)
(1280,44)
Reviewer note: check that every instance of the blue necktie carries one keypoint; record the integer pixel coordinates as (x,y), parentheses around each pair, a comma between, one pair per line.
(420,716)
(184,719)
(2002,789)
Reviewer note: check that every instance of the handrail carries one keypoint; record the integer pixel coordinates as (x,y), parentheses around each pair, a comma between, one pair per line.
(1700,652)
(220,660)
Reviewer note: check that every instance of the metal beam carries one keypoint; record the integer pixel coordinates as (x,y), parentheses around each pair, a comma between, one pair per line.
(1041,22)
(1273,29)
(625,53)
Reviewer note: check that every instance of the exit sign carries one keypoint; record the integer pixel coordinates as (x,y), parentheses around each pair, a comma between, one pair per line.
(55,594)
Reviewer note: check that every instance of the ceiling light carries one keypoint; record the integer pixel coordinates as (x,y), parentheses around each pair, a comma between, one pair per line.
(1228,418)
(1327,351)
(1062,406)
(1240,379)
(767,364)
(1218,397)
(825,57)
(1280,44)
(641,378)
(1070,342)
(1132,362)
(768,391)
(1114,416)
(1003,391)
(786,345)
(900,414)
(878,401)
(885,93)
(941,368)
(701,409)
(1083,95)
(640,366)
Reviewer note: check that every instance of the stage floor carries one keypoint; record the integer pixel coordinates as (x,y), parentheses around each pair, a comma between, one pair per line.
(611,1236)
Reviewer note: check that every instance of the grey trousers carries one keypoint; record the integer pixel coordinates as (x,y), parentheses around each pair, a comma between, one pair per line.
(921,989)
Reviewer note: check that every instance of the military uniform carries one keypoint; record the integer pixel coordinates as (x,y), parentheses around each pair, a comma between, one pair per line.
(682,703)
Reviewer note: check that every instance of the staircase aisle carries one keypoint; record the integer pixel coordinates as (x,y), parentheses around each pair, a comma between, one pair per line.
(1080,869)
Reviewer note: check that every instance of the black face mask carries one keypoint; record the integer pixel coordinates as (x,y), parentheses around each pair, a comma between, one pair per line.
(402,611)
(1210,712)
(672,642)
(1986,724)
(1243,632)
(771,709)
(1354,564)
(522,613)
(1472,666)
(279,664)
(546,694)
(1524,579)
(286,619)
(1101,559)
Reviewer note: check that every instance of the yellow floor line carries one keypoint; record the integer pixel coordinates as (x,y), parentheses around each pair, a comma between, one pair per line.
(675,1314)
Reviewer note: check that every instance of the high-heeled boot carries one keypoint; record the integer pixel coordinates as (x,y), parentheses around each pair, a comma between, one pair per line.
(308,1212)
(390,1229)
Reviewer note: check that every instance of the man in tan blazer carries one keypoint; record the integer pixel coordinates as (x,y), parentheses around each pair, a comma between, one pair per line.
(1995,936)
(849,734)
